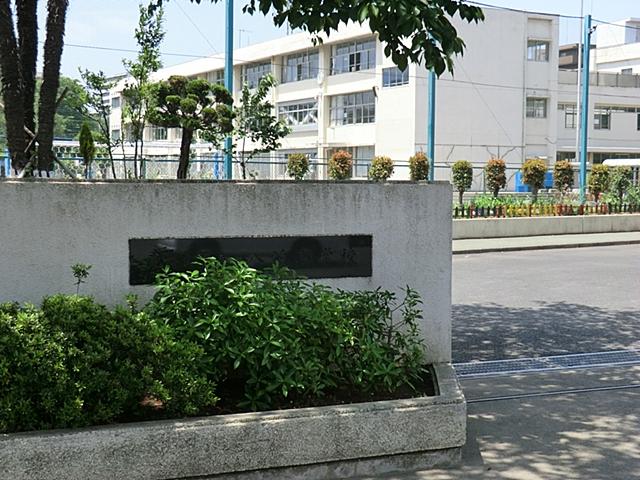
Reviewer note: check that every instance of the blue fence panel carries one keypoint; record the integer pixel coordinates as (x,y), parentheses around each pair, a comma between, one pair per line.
(524,188)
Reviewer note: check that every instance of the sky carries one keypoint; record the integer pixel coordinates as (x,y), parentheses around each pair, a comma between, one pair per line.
(198,30)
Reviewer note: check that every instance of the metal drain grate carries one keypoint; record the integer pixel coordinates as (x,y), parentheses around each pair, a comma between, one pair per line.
(541,364)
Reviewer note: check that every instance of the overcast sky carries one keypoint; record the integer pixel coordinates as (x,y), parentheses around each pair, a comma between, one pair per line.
(110,23)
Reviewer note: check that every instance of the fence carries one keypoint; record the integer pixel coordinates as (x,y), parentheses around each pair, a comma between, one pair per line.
(553,210)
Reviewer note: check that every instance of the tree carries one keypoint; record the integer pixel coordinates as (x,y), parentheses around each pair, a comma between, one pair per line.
(87,148)
(419,167)
(381,169)
(563,175)
(417,31)
(254,121)
(194,106)
(495,172)
(620,179)
(533,172)
(136,94)
(462,177)
(598,180)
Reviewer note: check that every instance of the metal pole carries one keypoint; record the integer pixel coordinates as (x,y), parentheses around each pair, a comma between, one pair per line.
(578,83)
(228,83)
(431,125)
(7,163)
(584,119)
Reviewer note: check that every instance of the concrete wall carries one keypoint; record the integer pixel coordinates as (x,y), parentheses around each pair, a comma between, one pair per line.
(523,227)
(48,226)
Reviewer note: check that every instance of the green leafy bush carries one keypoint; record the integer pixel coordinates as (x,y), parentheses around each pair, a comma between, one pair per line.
(297,165)
(381,169)
(275,343)
(419,167)
(620,179)
(533,172)
(598,180)
(495,175)
(74,363)
(563,175)
(462,172)
(340,165)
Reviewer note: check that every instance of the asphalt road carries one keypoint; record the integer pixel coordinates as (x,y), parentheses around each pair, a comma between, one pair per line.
(545,302)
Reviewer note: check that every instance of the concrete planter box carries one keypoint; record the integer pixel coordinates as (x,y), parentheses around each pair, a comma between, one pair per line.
(324,442)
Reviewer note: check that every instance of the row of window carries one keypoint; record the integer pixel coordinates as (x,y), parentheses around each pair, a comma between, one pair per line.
(601,115)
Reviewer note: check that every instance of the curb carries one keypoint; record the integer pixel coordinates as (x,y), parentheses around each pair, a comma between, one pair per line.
(545,247)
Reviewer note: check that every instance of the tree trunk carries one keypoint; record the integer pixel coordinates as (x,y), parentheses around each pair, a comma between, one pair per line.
(12,87)
(27,11)
(53,45)
(460,193)
(534,191)
(185,150)
(496,191)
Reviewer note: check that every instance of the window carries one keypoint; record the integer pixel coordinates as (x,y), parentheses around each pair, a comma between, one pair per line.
(115,102)
(570,114)
(354,56)
(115,134)
(627,71)
(353,108)
(251,74)
(299,113)
(536,107)
(158,133)
(216,76)
(602,118)
(301,66)
(538,50)
(393,77)
(638,121)
(362,157)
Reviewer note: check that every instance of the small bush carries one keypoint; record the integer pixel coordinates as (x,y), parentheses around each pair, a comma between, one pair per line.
(620,179)
(381,169)
(297,165)
(533,172)
(462,172)
(598,180)
(340,165)
(419,167)
(563,175)
(495,175)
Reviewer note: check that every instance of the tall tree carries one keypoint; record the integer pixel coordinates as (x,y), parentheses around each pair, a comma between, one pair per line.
(194,106)
(412,30)
(136,95)
(27,12)
(53,45)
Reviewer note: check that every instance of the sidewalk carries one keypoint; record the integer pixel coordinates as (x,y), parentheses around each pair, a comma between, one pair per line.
(483,245)
(546,435)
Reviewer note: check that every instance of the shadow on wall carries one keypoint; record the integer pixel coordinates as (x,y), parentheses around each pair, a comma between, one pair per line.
(495,332)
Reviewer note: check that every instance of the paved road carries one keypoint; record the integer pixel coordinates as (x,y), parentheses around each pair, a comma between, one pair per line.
(545,302)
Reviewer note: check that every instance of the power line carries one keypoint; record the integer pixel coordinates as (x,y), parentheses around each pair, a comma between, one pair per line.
(615,24)
(511,9)
(128,50)
(177,4)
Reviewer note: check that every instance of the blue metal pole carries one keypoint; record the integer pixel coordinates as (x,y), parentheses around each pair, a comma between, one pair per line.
(7,163)
(228,83)
(584,119)
(431,125)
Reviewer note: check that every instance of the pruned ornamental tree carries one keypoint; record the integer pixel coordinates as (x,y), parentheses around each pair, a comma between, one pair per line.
(254,121)
(495,173)
(193,105)
(620,179)
(87,148)
(563,175)
(598,180)
(533,172)
(417,31)
(462,172)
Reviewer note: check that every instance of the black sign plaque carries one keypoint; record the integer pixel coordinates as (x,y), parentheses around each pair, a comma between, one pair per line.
(335,256)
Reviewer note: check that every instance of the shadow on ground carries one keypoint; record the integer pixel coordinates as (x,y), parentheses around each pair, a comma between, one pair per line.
(494,332)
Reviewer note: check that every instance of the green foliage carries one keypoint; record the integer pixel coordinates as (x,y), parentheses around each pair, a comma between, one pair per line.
(274,340)
(254,121)
(495,172)
(419,167)
(598,180)
(340,165)
(74,363)
(533,172)
(297,165)
(381,169)
(620,179)
(411,31)
(87,147)
(80,273)
(462,172)
(563,175)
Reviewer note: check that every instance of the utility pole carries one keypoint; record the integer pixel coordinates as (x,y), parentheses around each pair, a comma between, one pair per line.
(431,125)
(584,119)
(228,83)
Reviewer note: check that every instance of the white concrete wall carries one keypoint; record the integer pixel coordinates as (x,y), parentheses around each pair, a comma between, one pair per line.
(49,226)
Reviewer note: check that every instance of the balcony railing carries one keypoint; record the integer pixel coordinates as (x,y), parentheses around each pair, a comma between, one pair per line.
(601,79)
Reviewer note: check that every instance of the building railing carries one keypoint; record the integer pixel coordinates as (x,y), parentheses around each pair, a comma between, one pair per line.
(601,79)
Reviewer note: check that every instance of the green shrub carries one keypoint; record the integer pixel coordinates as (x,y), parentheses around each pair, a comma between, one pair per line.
(275,343)
(598,180)
(533,172)
(74,363)
(340,165)
(495,175)
(297,165)
(620,179)
(381,169)
(563,175)
(419,167)
(462,172)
